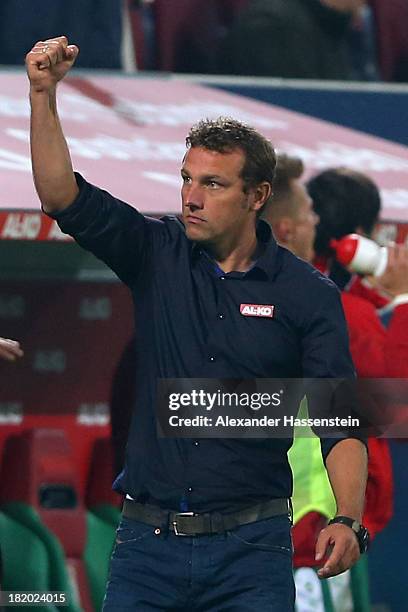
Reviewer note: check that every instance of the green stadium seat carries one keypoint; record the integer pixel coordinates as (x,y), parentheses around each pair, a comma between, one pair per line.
(109,514)
(97,553)
(59,579)
(46,500)
(25,561)
(98,549)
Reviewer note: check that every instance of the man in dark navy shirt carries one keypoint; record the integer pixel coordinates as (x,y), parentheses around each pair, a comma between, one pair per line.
(206,521)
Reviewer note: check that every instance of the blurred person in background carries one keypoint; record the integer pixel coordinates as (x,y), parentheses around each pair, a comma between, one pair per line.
(319,39)
(390,22)
(196,47)
(142,14)
(10,349)
(377,352)
(306,39)
(166,32)
(348,202)
(95,24)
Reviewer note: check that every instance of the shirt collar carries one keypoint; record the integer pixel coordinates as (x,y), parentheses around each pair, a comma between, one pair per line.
(266,264)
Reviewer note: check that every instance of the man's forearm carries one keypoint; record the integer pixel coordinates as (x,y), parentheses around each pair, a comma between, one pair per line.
(347,469)
(52,168)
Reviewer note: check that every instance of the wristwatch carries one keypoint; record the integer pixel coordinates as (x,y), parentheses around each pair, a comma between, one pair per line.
(362,534)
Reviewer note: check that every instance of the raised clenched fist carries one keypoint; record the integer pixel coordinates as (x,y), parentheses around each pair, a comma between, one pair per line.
(49,61)
(10,349)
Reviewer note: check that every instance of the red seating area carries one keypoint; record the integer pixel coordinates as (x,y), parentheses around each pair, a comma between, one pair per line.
(54,418)
(38,469)
(39,472)
(101,475)
(57,384)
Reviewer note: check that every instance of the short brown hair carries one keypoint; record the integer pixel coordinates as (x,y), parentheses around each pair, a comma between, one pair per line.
(225,135)
(288,169)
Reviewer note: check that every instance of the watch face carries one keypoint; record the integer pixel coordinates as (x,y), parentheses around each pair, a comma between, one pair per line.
(361,532)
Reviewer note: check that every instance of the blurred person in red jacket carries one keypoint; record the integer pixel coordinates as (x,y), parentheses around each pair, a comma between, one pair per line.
(10,349)
(377,351)
(348,202)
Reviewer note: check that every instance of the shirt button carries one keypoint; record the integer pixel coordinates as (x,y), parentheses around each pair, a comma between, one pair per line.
(222,277)
(221,316)
(190,489)
(196,443)
(212,359)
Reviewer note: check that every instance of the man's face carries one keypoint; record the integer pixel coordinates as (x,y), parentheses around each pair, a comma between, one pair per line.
(215,208)
(304,223)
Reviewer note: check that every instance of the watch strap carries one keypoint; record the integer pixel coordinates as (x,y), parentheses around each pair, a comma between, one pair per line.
(361,532)
(346,520)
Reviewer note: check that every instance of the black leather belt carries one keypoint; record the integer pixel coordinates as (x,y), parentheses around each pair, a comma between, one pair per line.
(192,524)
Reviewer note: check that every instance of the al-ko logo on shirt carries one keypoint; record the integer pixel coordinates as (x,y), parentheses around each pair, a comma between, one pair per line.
(257,310)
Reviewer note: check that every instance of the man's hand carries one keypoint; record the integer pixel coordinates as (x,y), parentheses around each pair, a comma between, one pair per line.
(48,62)
(340,543)
(10,349)
(395,278)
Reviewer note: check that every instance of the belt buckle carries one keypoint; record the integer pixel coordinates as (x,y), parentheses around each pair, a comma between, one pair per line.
(290,511)
(174,523)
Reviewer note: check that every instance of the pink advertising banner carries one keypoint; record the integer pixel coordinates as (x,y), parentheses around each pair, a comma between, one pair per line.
(127,136)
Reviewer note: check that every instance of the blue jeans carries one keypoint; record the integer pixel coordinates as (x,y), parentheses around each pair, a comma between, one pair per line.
(248,569)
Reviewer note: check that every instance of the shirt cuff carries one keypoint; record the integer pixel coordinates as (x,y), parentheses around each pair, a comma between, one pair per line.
(327,445)
(84,188)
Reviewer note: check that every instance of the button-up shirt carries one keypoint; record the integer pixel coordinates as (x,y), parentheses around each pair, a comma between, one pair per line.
(189,325)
